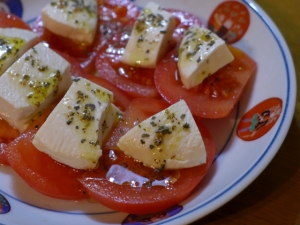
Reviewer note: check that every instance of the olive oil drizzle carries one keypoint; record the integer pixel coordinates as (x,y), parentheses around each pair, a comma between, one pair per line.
(9,46)
(39,87)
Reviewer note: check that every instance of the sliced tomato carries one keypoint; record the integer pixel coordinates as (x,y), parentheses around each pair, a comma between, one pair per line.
(142,199)
(123,11)
(136,82)
(120,98)
(76,70)
(3,157)
(139,110)
(8,20)
(183,21)
(76,50)
(7,134)
(40,171)
(112,13)
(143,86)
(217,95)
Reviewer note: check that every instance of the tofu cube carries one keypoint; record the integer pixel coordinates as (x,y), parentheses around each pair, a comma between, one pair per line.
(201,53)
(76,20)
(169,139)
(14,42)
(33,82)
(149,39)
(74,131)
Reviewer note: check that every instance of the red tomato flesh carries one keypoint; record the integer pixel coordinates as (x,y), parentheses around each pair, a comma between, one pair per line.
(3,157)
(76,70)
(136,82)
(183,20)
(217,95)
(142,199)
(8,20)
(39,170)
(134,89)
(110,13)
(7,134)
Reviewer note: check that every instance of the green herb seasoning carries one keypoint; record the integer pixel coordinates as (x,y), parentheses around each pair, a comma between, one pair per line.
(9,46)
(73,7)
(195,40)
(82,105)
(39,87)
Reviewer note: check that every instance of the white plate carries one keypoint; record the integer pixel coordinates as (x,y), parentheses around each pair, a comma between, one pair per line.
(238,162)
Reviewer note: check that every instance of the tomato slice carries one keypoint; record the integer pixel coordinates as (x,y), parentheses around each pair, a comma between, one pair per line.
(3,157)
(217,95)
(183,20)
(142,199)
(76,70)
(143,86)
(121,99)
(136,82)
(7,134)
(8,20)
(39,170)
(111,13)
(123,11)
(60,43)
(138,110)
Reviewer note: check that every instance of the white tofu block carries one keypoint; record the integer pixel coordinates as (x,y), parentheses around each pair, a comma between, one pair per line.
(33,82)
(168,140)
(13,43)
(72,134)
(113,115)
(76,20)
(149,39)
(201,53)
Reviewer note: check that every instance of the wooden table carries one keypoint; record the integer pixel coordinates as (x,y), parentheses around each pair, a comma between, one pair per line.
(274,197)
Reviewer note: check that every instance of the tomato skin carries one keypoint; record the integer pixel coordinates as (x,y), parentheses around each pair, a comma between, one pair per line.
(142,200)
(217,95)
(8,20)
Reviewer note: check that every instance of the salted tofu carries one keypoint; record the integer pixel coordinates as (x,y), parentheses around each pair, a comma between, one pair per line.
(34,81)
(14,42)
(149,39)
(74,131)
(168,140)
(74,19)
(201,53)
